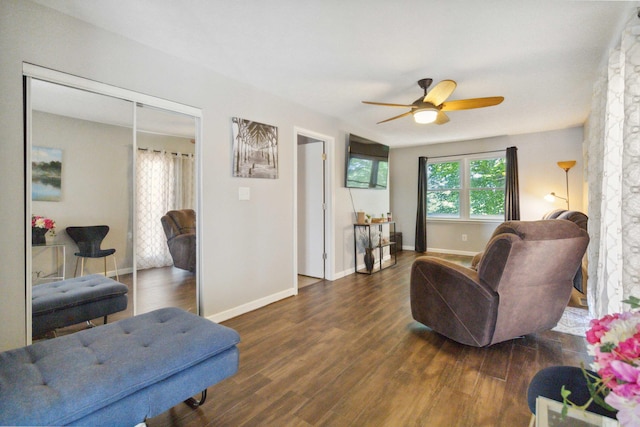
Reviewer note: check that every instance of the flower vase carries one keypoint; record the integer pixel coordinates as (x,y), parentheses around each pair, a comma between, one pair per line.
(38,236)
(369,259)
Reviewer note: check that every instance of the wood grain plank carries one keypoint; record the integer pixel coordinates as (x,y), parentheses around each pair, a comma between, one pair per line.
(348,353)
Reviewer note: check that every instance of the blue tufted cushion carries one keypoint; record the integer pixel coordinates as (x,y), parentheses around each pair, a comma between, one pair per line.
(50,297)
(58,381)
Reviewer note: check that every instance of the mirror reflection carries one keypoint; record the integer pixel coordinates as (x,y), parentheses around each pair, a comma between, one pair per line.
(88,178)
(165,203)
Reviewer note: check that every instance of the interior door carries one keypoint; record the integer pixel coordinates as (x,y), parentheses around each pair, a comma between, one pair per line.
(311,207)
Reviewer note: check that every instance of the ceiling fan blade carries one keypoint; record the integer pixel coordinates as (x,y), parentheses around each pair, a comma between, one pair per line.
(440,92)
(384,104)
(396,117)
(442,118)
(467,104)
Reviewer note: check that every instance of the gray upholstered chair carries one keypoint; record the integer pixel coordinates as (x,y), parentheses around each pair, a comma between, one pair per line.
(180,229)
(521,286)
(581,221)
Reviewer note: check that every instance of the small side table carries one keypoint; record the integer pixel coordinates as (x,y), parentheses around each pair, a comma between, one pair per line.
(549,413)
(57,253)
(377,239)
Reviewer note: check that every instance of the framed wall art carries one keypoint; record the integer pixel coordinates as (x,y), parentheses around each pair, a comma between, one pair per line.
(46,174)
(255,149)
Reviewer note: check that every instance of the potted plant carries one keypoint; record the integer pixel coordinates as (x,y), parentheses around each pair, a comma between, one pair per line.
(39,228)
(367,246)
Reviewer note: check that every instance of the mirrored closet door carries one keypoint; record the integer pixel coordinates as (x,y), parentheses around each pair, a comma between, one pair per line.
(166,189)
(86,157)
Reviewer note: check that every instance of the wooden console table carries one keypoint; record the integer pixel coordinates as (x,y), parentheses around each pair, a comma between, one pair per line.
(373,242)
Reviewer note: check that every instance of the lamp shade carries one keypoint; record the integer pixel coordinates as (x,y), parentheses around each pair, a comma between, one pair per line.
(425,115)
(567,164)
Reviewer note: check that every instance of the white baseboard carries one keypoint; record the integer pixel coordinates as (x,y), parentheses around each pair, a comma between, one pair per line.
(252,305)
(442,251)
(111,273)
(341,274)
(452,251)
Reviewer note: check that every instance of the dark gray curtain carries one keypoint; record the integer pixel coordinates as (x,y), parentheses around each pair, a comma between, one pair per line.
(421,217)
(512,188)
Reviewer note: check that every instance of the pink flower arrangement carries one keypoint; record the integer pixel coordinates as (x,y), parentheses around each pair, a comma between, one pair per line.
(614,341)
(38,221)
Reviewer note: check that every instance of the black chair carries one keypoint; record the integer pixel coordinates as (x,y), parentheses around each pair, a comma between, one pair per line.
(89,240)
(549,381)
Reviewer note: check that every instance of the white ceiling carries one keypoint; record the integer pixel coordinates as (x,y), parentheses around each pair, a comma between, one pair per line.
(543,56)
(70,102)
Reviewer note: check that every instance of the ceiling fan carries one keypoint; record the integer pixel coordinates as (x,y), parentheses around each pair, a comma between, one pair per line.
(431,106)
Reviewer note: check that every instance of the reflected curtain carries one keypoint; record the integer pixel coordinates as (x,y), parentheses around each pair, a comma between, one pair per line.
(421,216)
(165,181)
(613,154)
(512,188)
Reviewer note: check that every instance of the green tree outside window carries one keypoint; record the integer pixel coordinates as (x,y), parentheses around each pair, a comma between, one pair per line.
(466,188)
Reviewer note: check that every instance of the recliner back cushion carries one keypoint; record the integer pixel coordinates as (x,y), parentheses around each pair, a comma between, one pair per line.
(533,249)
(531,266)
(576,217)
(497,251)
(184,219)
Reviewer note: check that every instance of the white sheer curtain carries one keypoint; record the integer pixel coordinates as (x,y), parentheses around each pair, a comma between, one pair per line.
(613,162)
(165,181)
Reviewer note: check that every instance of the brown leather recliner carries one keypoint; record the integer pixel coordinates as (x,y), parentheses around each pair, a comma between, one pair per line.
(522,284)
(576,217)
(180,228)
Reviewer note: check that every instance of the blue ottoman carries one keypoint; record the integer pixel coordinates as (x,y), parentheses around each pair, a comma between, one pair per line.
(118,374)
(59,304)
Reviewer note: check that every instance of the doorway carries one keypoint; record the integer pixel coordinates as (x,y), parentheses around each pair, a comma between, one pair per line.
(313,203)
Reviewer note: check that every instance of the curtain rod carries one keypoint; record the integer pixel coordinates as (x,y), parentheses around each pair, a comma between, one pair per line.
(465,154)
(160,151)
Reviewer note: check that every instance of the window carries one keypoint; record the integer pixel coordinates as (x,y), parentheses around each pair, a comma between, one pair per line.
(443,190)
(466,188)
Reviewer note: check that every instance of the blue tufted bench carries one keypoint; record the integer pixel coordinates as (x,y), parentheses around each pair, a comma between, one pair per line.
(59,304)
(117,374)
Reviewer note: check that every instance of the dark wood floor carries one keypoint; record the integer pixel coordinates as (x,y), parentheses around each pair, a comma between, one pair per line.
(348,353)
(163,287)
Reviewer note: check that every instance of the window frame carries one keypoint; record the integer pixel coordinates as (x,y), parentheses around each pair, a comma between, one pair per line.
(465,188)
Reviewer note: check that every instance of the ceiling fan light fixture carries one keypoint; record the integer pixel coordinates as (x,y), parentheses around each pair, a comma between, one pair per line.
(425,115)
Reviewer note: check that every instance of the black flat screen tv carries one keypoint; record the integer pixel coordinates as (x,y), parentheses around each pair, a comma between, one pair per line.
(367,163)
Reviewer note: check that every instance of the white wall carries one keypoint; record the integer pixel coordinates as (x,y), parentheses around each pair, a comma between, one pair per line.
(173,144)
(347,200)
(247,245)
(96,186)
(96,182)
(538,175)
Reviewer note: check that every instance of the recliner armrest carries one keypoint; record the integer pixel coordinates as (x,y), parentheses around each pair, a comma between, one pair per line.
(183,251)
(476,260)
(453,301)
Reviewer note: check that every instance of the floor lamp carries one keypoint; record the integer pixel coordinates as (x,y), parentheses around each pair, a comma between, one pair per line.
(565,165)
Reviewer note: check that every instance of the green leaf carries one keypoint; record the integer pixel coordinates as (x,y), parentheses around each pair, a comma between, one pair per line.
(597,390)
(565,411)
(632,301)
(607,347)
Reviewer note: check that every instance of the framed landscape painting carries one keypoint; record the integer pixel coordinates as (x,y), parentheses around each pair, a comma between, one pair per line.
(46,174)
(255,149)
